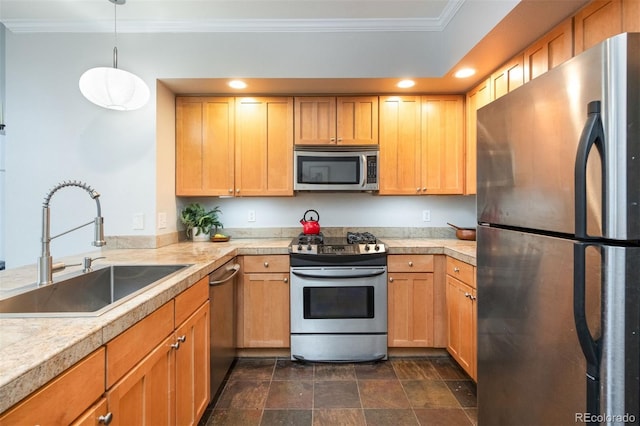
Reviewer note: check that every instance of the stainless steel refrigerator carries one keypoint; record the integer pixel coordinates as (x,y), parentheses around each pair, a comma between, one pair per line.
(558,279)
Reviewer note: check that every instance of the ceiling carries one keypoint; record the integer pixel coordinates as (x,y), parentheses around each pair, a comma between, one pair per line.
(518,24)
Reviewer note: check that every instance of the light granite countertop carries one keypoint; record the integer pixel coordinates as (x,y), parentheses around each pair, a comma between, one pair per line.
(34,350)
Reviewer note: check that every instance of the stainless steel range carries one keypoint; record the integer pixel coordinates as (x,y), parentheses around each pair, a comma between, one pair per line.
(338,298)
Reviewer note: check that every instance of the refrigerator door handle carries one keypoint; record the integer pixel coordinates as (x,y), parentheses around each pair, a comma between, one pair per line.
(592,134)
(590,346)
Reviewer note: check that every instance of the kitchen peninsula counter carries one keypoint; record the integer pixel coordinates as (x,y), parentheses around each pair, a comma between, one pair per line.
(34,350)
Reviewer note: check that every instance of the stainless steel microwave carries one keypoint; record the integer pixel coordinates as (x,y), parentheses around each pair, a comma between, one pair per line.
(335,168)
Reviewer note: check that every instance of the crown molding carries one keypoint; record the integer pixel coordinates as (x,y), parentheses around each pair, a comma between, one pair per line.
(239,25)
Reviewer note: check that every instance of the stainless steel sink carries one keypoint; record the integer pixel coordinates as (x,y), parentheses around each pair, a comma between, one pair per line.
(90,294)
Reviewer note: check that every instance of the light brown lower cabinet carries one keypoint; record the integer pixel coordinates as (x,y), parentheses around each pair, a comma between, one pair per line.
(154,373)
(462,315)
(263,302)
(170,385)
(415,300)
(63,399)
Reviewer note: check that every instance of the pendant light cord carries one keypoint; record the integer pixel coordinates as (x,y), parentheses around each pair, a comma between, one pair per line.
(115,35)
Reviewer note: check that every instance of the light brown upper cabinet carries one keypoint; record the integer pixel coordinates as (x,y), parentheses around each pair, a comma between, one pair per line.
(234,146)
(551,50)
(204,145)
(443,144)
(264,146)
(476,99)
(421,145)
(596,22)
(508,77)
(343,120)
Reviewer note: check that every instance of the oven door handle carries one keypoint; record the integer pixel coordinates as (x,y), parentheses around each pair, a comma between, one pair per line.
(338,273)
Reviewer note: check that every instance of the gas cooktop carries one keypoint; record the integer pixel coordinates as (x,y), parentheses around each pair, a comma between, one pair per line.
(355,243)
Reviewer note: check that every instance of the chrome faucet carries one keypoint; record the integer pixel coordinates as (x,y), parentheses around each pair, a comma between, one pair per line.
(45,261)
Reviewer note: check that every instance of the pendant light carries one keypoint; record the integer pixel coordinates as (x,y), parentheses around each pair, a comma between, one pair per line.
(114,88)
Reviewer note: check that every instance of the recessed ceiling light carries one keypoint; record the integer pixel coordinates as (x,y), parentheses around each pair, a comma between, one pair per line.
(464,73)
(405,84)
(237,84)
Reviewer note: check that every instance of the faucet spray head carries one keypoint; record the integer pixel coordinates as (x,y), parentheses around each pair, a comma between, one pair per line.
(98,235)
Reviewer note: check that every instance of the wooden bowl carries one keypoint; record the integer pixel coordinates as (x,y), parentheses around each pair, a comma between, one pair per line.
(466,234)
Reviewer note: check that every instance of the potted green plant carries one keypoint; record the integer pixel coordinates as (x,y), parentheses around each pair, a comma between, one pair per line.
(199,221)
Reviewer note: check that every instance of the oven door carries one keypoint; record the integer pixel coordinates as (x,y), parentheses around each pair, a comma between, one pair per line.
(339,299)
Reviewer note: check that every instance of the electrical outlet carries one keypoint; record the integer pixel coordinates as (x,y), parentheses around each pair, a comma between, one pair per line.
(426,215)
(138,221)
(251,216)
(162,220)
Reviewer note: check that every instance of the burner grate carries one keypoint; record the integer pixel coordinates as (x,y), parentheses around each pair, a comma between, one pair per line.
(361,238)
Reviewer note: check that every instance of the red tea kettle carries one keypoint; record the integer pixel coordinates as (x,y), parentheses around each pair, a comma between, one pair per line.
(310,227)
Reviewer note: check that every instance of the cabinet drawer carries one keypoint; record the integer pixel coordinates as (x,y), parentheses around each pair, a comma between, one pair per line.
(410,263)
(65,397)
(462,271)
(189,300)
(273,263)
(127,349)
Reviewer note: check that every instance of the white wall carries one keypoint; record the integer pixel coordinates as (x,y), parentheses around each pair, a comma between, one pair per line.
(54,134)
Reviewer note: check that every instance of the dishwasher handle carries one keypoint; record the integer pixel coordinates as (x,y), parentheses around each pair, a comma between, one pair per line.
(234,271)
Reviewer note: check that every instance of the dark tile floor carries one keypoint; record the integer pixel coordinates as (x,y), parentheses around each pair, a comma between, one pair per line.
(398,392)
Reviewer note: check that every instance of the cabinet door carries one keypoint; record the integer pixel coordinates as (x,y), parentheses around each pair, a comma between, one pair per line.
(550,51)
(192,367)
(410,309)
(357,120)
(95,416)
(264,146)
(64,398)
(596,22)
(476,99)
(509,77)
(400,145)
(204,145)
(315,120)
(265,310)
(461,324)
(145,396)
(443,145)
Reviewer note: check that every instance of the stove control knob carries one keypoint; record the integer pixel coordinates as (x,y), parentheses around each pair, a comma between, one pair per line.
(366,247)
(309,247)
(299,247)
(377,248)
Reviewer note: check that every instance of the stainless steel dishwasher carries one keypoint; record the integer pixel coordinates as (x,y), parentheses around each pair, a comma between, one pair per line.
(222,295)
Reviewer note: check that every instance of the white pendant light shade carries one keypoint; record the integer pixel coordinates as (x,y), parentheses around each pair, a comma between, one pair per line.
(114,88)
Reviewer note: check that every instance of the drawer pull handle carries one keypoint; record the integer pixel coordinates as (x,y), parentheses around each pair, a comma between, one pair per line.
(106,419)
(266,264)
(456,269)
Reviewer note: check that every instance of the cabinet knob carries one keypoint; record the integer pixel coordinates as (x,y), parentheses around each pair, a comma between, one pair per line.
(410,263)
(106,419)
(286,280)
(332,139)
(418,189)
(230,190)
(456,269)
(424,189)
(175,345)
(467,295)
(238,191)
(266,264)
(390,279)
(182,338)
(472,297)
